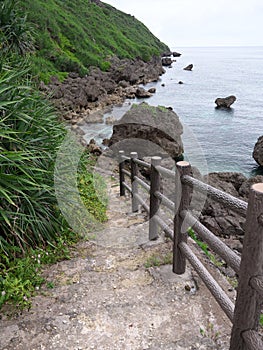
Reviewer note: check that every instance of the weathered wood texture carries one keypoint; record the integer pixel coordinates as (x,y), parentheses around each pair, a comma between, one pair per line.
(134,173)
(183,198)
(154,201)
(219,196)
(245,316)
(121,174)
(213,241)
(249,301)
(221,297)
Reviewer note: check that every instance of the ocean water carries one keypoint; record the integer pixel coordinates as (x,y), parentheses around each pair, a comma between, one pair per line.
(218,140)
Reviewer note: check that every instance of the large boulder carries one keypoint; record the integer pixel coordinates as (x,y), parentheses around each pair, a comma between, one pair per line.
(149,131)
(225,102)
(258,151)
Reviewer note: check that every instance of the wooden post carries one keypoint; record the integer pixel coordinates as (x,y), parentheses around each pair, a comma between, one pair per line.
(182,200)
(249,300)
(154,201)
(134,172)
(121,174)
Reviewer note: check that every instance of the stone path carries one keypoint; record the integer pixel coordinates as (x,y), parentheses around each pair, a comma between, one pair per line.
(105,297)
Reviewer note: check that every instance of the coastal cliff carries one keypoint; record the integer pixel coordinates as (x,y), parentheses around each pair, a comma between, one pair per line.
(72,37)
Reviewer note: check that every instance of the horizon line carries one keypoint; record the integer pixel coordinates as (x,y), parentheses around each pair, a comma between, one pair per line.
(216,45)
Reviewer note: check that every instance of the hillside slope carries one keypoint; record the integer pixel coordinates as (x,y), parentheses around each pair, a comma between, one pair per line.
(72,35)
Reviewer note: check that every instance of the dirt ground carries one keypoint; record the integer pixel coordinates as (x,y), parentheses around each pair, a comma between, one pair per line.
(111,296)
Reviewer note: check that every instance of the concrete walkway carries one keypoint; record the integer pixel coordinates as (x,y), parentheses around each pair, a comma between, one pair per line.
(109,296)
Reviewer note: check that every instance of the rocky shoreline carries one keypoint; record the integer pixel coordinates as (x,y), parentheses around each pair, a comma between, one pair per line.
(84,100)
(77,98)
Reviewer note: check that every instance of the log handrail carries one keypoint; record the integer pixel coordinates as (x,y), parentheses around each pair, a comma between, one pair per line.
(245,313)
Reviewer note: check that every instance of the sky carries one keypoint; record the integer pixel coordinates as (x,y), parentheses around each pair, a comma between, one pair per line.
(180,23)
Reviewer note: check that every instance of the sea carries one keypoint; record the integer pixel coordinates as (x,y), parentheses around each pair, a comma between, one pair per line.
(214,139)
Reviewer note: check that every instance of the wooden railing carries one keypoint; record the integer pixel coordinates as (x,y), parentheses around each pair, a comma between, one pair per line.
(245,313)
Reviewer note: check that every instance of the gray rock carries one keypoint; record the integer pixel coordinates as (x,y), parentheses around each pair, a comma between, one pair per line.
(189,67)
(149,131)
(93,148)
(130,92)
(152,90)
(166,61)
(220,220)
(176,54)
(99,89)
(258,151)
(142,93)
(245,187)
(110,120)
(167,54)
(225,102)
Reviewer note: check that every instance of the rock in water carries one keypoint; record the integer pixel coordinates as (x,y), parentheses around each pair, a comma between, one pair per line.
(176,54)
(225,102)
(142,93)
(258,151)
(166,61)
(148,130)
(189,67)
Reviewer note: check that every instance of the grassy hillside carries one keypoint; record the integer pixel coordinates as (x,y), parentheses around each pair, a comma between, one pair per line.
(72,35)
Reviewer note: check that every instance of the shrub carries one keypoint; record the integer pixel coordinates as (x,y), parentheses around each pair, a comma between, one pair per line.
(29,137)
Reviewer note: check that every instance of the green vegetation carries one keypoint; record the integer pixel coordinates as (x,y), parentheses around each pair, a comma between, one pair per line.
(159,259)
(22,277)
(204,247)
(91,186)
(30,135)
(71,35)
(46,38)
(32,230)
(210,332)
(16,35)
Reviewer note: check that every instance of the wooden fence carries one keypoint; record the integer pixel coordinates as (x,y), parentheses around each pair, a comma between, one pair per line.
(245,313)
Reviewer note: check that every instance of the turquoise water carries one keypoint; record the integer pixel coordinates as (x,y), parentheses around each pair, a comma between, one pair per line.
(226,137)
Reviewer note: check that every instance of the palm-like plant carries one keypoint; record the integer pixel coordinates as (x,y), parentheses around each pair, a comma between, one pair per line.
(15,32)
(29,137)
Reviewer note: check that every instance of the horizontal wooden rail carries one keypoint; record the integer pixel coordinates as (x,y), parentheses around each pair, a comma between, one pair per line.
(218,293)
(165,201)
(219,247)
(142,183)
(229,201)
(142,202)
(126,172)
(127,187)
(165,172)
(246,312)
(167,230)
(123,157)
(142,163)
